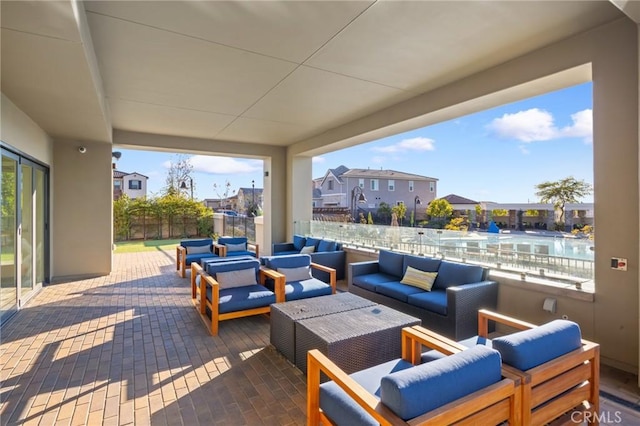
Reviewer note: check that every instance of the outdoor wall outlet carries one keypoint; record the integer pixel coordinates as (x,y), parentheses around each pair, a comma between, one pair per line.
(619,263)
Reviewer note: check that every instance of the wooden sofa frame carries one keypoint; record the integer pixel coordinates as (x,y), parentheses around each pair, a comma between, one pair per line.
(492,405)
(567,384)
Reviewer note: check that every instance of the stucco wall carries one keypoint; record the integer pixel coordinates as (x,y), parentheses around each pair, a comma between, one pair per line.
(23,134)
(82,231)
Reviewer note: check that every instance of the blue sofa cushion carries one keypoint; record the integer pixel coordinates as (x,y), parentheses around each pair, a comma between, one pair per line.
(412,392)
(325,245)
(370,281)
(240,253)
(288,261)
(298,242)
(391,263)
(470,342)
(426,264)
(296,290)
(451,274)
(434,300)
(232,240)
(286,252)
(530,348)
(340,408)
(397,290)
(312,242)
(196,243)
(243,298)
(197,257)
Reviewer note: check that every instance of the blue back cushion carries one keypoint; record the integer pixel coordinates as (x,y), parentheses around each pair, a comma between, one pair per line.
(451,274)
(196,243)
(298,242)
(391,263)
(288,261)
(232,240)
(418,390)
(426,264)
(530,348)
(312,242)
(214,268)
(325,245)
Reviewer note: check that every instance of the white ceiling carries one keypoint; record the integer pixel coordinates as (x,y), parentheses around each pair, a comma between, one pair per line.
(267,72)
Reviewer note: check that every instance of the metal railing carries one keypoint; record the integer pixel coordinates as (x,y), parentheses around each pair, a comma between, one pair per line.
(555,257)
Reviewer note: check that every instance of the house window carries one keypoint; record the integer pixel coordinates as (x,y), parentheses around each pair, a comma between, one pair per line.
(330,184)
(135,184)
(361,183)
(374,184)
(399,203)
(410,186)
(432,186)
(117,184)
(392,185)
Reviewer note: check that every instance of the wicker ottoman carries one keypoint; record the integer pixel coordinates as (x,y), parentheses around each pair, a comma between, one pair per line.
(285,315)
(354,340)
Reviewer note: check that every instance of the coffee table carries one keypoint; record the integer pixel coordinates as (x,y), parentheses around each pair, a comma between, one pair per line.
(285,315)
(355,339)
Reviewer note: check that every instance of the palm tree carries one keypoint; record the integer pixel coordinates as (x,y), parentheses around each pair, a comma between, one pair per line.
(563,191)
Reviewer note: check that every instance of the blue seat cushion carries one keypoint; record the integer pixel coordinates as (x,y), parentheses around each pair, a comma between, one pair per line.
(391,263)
(240,253)
(288,261)
(432,355)
(325,245)
(426,264)
(197,257)
(243,298)
(370,281)
(425,387)
(312,287)
(286,252)
(397,290)
(312,242)
(298,242)
(451,274)
(531,348)
(340,408)
(434,301)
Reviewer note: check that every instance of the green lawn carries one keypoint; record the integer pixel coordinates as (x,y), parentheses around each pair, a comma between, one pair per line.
(149,245)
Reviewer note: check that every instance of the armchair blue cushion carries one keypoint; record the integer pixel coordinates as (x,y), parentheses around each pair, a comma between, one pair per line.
(295,290)
(204,250)
(530,348)
(326,253)
(235,241)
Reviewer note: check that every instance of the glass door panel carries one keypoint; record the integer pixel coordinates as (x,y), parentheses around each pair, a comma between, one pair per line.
(26,231)
(40,224)
(8,243)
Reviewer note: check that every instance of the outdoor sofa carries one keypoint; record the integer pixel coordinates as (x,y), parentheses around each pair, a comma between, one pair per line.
(322,251)
(450,307)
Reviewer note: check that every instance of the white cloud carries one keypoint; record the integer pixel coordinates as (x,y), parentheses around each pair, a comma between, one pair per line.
(413,144)
(535,125)
(524,150)
(223,165)
(318,160)
(378,159)
(582,126)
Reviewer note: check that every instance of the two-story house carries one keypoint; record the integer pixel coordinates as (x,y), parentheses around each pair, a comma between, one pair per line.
(362,190)
(248,197)
(133,184)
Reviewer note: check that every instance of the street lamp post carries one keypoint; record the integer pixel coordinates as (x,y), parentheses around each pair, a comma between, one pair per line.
(416,201)
(183,185)
(357,197)
(253,197)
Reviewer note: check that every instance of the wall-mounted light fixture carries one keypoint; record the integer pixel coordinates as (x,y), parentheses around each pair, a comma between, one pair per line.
(82,149)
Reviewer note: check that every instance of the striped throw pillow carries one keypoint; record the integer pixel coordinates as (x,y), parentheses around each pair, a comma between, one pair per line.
(418,278)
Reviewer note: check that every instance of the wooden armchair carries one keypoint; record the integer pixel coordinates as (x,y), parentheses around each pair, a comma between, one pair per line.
(236,246)
(480,401)
(552,389)
(232,290)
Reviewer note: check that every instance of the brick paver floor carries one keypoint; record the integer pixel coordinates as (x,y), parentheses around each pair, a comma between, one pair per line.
(130,348)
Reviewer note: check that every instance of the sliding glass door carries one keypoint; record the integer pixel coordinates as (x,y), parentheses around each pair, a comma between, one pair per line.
(23,252)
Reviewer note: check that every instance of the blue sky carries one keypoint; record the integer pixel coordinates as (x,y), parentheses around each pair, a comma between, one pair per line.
(495,155)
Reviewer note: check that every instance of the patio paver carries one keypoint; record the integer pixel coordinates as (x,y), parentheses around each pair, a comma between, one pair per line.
(130,348)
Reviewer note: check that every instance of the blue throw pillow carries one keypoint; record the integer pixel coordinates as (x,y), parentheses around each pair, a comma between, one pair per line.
(325,245)
(298,242)
(312,242)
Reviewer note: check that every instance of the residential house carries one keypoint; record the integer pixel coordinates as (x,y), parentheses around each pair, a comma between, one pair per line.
(363,190)
(246,197)
(132,184)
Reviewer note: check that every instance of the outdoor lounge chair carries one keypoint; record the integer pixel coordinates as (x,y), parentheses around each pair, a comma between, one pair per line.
(468,387)
(236,246)
(193,251)
(296,272)
(232,289)
(559,370)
